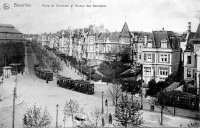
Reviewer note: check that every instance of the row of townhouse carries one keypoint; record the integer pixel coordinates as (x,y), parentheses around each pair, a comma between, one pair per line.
(89,43)
(191,55)
(158,51)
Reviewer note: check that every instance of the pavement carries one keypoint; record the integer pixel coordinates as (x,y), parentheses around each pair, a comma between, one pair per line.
(7,89)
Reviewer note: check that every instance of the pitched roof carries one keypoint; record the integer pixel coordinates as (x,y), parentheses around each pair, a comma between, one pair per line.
(172,40)
(197,35)
(91,31)
(103,35)
(114,36)
(7,28)
(125,31)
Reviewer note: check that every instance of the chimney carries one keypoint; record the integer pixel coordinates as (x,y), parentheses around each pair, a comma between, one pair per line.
(145,39)
(163,29)
(189,27)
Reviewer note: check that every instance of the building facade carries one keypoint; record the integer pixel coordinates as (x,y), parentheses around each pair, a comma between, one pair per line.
(160,55)
(8,33)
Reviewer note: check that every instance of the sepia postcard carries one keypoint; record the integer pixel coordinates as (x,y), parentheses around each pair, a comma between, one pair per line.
(99,63)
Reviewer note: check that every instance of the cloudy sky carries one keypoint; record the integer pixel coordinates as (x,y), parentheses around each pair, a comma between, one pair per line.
(140,15)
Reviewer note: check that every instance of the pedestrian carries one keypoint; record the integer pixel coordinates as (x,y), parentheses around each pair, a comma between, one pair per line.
(110,119)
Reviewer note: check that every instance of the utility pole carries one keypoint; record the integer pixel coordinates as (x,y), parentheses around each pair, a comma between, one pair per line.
(13,118)
(102,111)
(90,72)
(14,96)
(141,88)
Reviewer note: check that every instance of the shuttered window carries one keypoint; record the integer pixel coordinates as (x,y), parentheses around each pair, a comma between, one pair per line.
(145,56)
(169,58)
(153,57)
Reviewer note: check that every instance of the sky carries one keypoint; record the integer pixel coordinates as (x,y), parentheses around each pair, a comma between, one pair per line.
(140,15)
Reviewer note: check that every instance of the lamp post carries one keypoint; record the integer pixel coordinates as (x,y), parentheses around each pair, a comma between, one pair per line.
(57,115)
(102,111)
(90,73)
(64,120)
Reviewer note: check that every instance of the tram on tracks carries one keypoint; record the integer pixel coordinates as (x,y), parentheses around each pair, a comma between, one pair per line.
(76,85)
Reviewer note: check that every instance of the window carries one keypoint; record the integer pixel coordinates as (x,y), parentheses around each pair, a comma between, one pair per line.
(149,45)
(163,58)
(140,56)
(163,44)
(148,57)
(163,71)
(189,73)
(147,71)
(91,40)
(188,59)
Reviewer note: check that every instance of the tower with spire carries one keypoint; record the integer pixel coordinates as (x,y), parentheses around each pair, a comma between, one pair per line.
(125,35)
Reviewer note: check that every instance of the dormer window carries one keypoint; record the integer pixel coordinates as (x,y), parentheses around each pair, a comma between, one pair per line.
(164,43)
(149,44)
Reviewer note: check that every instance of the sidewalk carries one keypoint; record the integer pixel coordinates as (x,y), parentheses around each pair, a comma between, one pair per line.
(179,112)
(6,91)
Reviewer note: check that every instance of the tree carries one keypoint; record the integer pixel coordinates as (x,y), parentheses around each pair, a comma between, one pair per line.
(56,65)
(152,88)
(72,108)
(95,117)
(115,93)
(36,118)
(128,112)
(111,55)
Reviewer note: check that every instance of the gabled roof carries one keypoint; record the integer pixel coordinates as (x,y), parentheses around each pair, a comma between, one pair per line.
(7,28)
(197,35)
(172,40)
(125,31)
(91,31)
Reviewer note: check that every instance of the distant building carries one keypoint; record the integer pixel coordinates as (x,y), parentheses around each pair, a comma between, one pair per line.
(8,33)
(160,55)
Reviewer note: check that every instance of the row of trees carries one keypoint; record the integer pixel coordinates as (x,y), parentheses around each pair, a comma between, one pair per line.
(127,114)
(45,58)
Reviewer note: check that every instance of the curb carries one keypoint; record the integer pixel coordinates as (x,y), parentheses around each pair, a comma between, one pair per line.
(3,104)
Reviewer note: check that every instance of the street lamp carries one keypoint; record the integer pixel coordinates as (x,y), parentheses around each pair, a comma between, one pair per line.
(57,115)
(102,111)
(64,120)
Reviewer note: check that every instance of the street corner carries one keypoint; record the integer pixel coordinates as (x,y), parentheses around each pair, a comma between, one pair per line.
(8,102)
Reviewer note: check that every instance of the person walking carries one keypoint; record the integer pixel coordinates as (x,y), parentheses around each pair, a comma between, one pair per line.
(110,119)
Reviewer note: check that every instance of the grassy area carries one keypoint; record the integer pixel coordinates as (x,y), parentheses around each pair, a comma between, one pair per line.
(112,70)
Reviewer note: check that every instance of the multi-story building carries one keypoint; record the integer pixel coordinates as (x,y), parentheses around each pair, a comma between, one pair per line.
(160,55)
(62,42)
(8,33)
(106,42)
(192,57)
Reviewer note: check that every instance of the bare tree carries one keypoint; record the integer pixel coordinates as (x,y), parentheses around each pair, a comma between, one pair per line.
(36,118)
(95,117)
(72,108)
(115,93)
